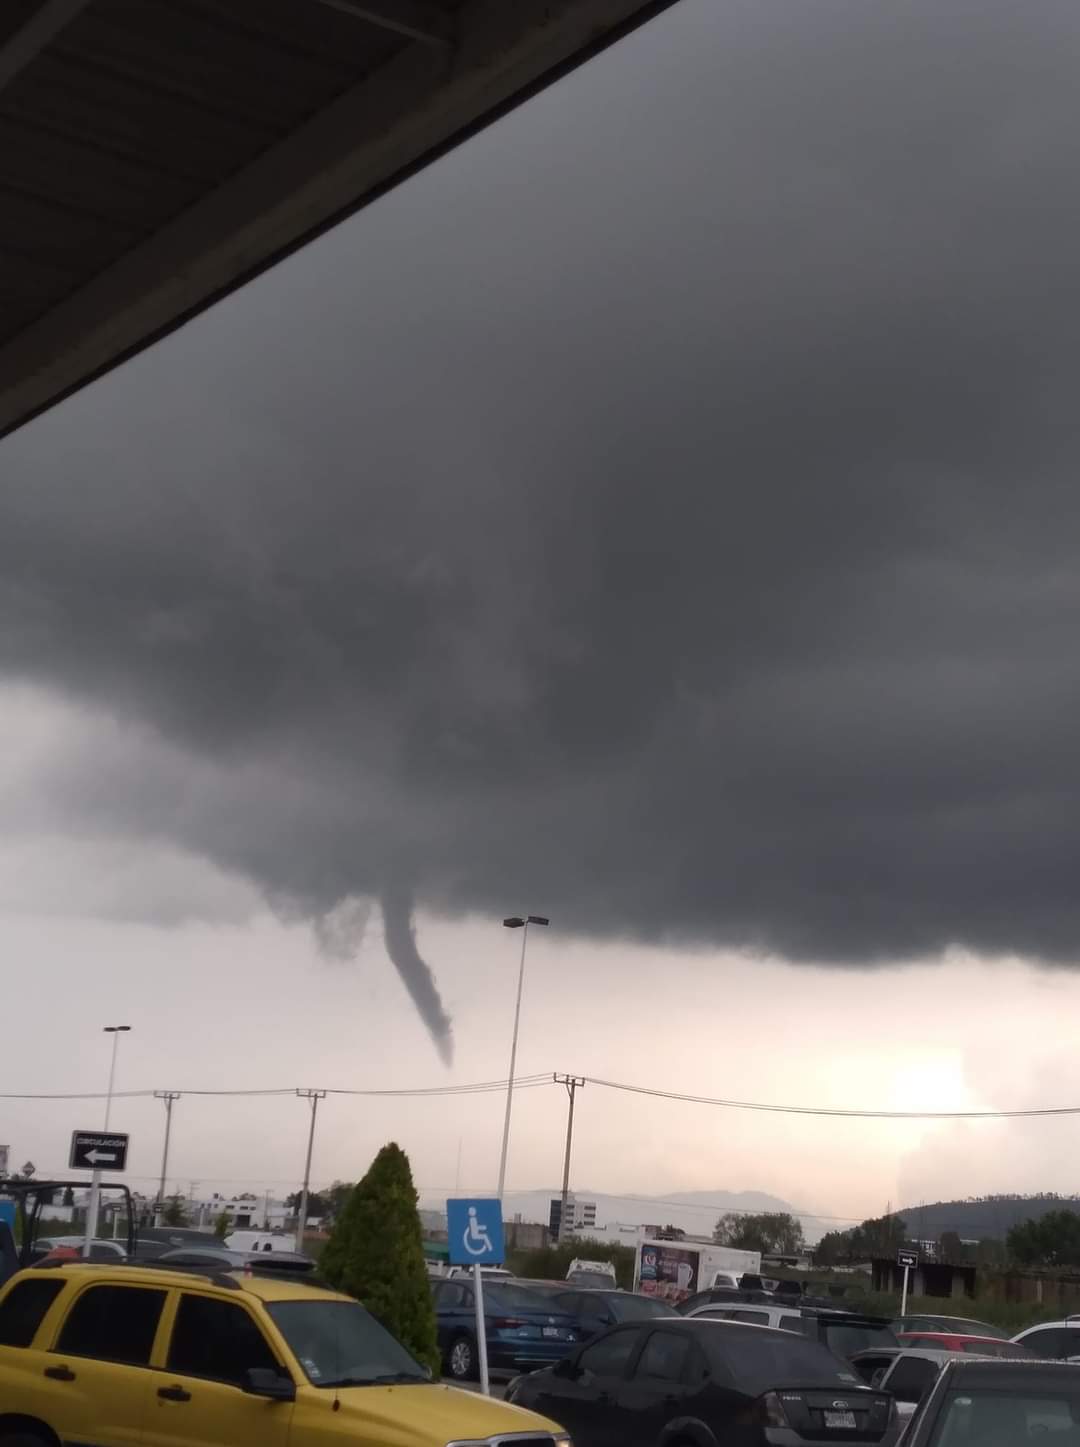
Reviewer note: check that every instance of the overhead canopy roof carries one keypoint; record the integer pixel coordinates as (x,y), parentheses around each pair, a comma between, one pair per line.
(155,154)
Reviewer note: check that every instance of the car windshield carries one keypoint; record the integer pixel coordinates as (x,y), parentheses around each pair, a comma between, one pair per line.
(846,1338)
(597,1279)
(339,1344)
(983,1418)
(760,1360)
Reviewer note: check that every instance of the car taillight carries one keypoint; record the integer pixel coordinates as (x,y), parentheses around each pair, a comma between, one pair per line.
(507,1321)
(772,1411)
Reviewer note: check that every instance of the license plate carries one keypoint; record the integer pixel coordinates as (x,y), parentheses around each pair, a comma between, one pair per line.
(551,1331)
(845,1420)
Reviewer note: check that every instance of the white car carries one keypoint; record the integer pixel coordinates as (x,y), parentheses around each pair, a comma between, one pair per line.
(1052,1340)
(787,1318)
(909,1377)
(591,1273)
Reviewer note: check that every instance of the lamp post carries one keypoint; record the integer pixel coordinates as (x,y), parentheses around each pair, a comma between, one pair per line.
(515,922)
(95,1180)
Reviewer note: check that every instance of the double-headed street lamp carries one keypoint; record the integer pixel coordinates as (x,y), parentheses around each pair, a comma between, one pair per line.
(515,922)
(95,1180)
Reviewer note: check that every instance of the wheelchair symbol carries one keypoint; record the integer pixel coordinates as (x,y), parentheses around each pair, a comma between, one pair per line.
(476,1239)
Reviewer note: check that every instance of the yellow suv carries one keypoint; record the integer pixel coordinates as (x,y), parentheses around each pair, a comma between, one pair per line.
(131,1356)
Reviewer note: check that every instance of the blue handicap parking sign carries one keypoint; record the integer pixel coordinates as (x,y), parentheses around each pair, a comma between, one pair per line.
(475,1229)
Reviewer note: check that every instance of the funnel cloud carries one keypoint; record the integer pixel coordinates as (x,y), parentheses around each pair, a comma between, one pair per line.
(662,509)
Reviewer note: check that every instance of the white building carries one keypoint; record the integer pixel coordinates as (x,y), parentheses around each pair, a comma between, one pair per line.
(581,1215)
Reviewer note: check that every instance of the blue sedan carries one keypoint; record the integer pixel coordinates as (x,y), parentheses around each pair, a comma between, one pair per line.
(522,1328)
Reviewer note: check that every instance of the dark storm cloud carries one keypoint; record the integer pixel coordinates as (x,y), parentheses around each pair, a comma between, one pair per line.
(662,513)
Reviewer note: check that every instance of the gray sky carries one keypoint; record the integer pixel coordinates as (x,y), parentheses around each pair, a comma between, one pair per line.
(658,514)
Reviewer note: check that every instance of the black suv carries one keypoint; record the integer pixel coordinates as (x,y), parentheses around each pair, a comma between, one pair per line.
(696,1381)
(847,1332)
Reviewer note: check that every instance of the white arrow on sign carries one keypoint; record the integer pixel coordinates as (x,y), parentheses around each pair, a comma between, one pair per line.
(94,1156)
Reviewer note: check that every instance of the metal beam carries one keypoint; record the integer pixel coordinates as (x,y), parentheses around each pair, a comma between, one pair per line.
(31,39)
(419,21)
(417,106)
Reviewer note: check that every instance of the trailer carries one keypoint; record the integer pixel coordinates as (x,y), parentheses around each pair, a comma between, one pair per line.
(674,1270)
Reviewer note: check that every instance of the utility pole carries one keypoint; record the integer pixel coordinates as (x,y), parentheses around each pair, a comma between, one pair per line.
(314,1096)
(571,1082)
(168,1096)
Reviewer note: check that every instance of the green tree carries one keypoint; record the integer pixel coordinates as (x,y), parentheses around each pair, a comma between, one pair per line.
(776,1232)
(551,1263)
(68,1197)
(175,1212)
(317,1203)
(222,1224)
(375,1252)
(879,1236)
(1054,1240)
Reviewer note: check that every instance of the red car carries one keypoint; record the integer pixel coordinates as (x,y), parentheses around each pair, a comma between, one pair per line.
(972,1346)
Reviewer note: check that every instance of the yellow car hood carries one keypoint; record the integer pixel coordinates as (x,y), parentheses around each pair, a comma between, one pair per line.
(427,1416)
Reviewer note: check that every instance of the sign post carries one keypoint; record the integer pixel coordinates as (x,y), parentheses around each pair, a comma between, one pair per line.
(475,1231)
(908,1260)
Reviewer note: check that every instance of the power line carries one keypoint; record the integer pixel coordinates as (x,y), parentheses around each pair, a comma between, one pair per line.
(480,1087)
(822,1110)
(531,1082)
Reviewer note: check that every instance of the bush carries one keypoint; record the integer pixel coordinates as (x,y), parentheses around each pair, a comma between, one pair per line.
(551,1263)
(375,1253)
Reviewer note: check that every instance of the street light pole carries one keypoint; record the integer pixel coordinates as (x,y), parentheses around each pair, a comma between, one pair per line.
(515,922)
(168,1096)
(95,1180)
(314,1096)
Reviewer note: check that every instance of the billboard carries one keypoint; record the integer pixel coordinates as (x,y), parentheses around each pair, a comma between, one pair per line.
(669,1272)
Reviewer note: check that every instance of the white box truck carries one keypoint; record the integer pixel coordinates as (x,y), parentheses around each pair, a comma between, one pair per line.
(674,1270)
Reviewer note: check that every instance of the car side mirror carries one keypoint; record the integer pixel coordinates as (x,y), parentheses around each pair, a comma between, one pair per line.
(265,1382)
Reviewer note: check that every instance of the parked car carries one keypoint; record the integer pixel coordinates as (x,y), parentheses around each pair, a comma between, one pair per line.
(719,1381)
(101,1249)
(908,1377)
(135,1354)
(1052,1340)
(722,1296)
(594,1311)
(220,1258)
(962,1324)
(999,1404)
(843,1332)
(591,1273)
(523,1329)
(153,1241)
(973,1346)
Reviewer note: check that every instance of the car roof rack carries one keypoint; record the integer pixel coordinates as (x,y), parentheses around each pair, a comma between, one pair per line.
(219,1278)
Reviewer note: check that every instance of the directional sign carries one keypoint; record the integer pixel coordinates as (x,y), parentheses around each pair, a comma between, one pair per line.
(907,1258)
(475,1229)
(93,1150)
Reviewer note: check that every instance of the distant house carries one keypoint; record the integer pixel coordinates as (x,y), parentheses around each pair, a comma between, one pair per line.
(929,1278)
